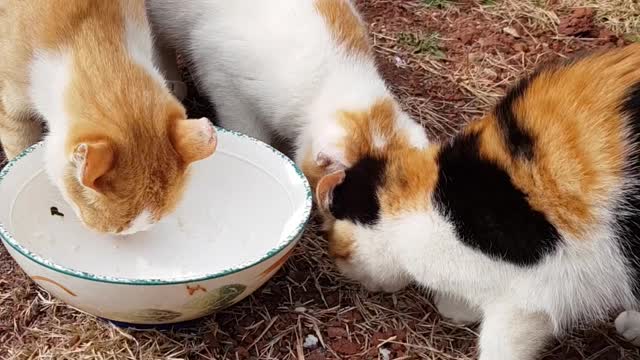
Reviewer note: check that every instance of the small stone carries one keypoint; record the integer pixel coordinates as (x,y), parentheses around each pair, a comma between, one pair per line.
(399,62)
(310,342)
(511,31)
(385,354)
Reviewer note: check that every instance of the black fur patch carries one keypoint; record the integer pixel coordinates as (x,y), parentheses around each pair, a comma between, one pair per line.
(487,211)
(629,215)
(519,142)
(356,198)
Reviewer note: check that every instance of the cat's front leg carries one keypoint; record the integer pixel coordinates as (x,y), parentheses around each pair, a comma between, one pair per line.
(628,326)
(509,333)
(19,129)
(456,310)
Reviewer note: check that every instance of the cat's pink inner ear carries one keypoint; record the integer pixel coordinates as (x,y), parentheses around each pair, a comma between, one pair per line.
(325,187)
(194,139)
(327,162)
(93,159)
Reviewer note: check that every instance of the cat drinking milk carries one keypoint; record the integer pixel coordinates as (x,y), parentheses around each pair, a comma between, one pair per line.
(119,144)
(527,221)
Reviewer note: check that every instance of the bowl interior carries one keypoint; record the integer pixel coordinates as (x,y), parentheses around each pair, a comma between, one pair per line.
(241,206)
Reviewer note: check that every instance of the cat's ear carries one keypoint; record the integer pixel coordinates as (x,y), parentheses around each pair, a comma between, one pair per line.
(331,164)
(194,139)
(325,188)
(93,160)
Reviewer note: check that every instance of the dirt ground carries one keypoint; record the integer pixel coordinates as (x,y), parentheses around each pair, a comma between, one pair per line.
(447,61)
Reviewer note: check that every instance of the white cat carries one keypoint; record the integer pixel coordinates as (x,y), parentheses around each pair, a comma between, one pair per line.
(302,70)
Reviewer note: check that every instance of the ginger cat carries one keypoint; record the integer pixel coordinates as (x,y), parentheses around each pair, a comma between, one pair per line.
(119,144)
(528,220)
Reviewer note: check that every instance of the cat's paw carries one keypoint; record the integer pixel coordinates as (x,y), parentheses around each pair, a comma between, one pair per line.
(456,310)
(628,326)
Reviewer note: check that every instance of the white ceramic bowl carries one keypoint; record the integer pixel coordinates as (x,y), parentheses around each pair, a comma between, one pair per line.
(243,212)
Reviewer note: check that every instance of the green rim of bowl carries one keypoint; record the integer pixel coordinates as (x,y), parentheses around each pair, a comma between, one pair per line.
(8,238)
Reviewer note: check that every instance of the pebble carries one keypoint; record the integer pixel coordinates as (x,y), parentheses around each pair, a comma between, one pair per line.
(385,354)
(310,342)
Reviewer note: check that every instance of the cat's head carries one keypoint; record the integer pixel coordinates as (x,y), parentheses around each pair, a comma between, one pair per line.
(124,180)
(362,203)
(368,206)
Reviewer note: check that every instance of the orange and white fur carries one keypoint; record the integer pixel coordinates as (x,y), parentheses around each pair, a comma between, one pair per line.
(287,69)
(119,143)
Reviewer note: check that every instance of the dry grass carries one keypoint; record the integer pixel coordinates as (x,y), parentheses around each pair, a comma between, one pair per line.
(621,16)
(444,92)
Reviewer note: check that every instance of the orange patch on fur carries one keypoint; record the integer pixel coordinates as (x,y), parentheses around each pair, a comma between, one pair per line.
(364,127)
(345,24)
(580,142)
(410,172)
(340,239)
(410,177)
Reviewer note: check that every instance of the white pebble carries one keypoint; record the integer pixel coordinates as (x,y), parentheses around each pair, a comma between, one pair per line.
(399,62)
(310,342)
(385,354)
(300,309)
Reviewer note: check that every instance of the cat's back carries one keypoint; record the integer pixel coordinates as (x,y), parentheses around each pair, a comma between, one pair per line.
(48,23)
(43,25)
(278,42)
(272,53)
(271,27)
(568,138)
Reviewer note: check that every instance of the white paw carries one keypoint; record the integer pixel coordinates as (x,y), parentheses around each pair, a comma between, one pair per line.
(456,310)
(628,326)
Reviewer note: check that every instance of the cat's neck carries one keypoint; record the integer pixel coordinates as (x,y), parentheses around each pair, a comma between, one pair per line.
(50,76)
(352,86)
(95,77)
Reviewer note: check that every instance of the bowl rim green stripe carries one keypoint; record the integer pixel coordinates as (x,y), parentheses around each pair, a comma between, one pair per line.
(7,238)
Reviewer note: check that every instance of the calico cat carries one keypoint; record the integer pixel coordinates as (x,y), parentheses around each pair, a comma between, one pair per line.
(119,143)
(528,220)
(299,70)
